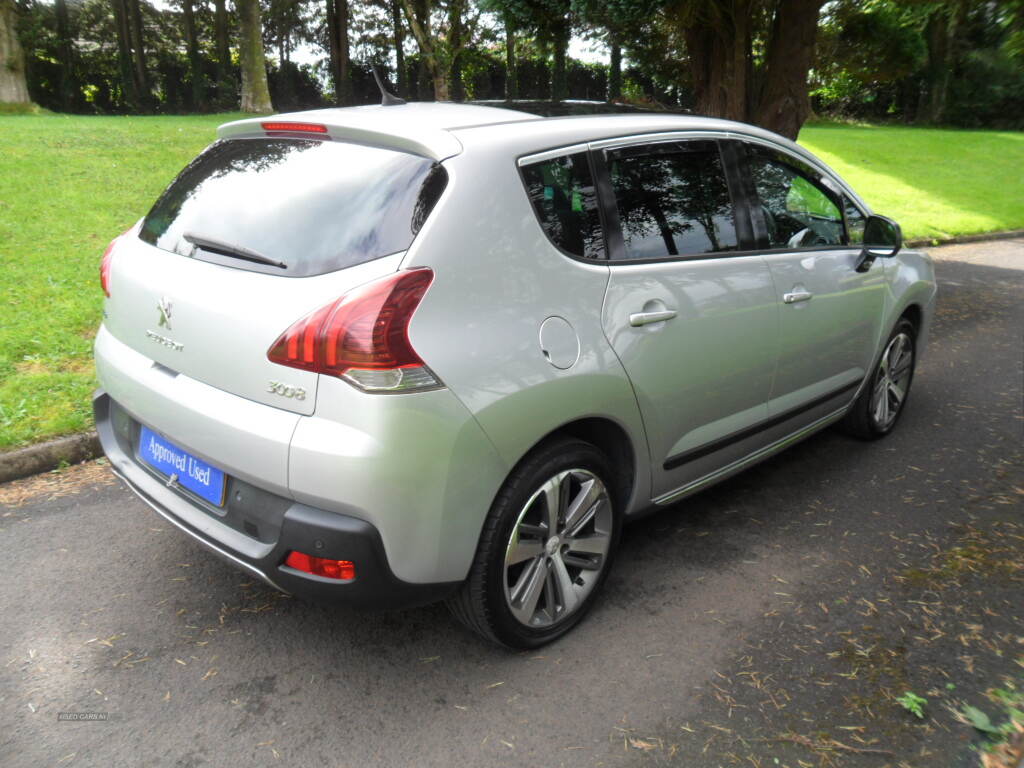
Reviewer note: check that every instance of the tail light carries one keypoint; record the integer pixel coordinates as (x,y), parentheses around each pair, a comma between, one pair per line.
(363,337)
(105,263)
(321,566)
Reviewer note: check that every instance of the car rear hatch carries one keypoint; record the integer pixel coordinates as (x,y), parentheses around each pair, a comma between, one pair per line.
(254,234)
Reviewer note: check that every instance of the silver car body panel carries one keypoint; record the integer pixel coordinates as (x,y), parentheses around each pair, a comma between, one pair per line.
(705,373)
(425,468)
(497,279)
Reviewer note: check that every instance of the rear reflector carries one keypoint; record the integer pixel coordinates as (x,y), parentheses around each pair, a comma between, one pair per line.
(285,127)
(363,337)
(344,570)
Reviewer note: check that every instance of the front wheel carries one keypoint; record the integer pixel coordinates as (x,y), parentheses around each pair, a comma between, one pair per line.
(545,549)
(880,405)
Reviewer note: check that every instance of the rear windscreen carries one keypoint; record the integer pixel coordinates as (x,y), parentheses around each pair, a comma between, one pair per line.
(294,207)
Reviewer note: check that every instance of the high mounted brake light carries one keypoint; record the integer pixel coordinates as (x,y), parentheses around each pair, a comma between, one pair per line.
(363,337)
(289,127)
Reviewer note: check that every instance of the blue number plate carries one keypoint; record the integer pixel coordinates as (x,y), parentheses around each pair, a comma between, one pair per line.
(189,472)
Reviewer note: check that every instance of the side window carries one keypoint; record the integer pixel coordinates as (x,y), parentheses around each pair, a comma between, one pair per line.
(563,196)
(673,200)
(798,212)
(854,223)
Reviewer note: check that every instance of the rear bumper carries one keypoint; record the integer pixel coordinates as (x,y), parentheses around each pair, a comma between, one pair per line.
(282,525)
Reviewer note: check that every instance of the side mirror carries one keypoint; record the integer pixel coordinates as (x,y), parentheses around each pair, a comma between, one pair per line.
(882,238)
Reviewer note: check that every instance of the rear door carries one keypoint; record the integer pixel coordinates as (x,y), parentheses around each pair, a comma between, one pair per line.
(253,235)
(829,313)
(692,318)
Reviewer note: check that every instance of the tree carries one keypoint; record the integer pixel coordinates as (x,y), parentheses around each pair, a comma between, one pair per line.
(13,86)
(511,80)
(615,21)
(398,28)
(418,17)
(195,61)
(550,20)
(341,64)
(748,60)
(456,11)
(130,93)
(137,38)
(225,80)
(255,93)
(68,88)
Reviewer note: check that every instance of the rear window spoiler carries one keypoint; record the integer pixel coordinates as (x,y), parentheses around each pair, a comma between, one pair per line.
(434,143)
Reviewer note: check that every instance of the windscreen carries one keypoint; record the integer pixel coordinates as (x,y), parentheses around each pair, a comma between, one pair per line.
(294,207)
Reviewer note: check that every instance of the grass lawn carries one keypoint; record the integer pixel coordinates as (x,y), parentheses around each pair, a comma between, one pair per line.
(69,184)
(935,182)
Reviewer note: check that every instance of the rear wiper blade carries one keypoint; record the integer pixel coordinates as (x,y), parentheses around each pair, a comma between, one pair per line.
(234,251)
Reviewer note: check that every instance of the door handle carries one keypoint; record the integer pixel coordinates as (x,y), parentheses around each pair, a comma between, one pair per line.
(644,318)
(795,296)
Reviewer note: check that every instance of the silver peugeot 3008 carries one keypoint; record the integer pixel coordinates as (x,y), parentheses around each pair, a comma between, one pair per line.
(390,355)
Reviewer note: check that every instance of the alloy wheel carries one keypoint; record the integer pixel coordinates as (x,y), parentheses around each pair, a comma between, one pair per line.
(892,381)
(558,548)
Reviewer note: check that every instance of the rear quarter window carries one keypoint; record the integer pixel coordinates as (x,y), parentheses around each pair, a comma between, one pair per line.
(313,206)
(564,198)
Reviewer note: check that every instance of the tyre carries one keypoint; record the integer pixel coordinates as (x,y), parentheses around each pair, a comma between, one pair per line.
(545,549)
(879,406)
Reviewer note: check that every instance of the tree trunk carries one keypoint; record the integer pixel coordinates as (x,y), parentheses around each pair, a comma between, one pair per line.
(615,69)
(939,35)
(560,40)
(718,52)
(255,94)
(511,78)
(223,50)
(129,92)
(424,78)
(428,53)
(783,104)
(455,85)
(13,87)
(401,79)
(139,59)
(68,87)
(343,77)
(195,63)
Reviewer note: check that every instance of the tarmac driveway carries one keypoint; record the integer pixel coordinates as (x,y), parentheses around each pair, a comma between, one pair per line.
(770,621)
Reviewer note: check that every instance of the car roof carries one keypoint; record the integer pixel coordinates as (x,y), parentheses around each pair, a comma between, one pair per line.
(440,130)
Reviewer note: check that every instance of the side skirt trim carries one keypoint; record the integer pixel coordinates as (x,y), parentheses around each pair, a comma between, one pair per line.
(672,462)
(736,466)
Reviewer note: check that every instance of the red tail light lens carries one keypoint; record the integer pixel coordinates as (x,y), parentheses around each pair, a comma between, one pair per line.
(322,566)
(363,337)
(105,263)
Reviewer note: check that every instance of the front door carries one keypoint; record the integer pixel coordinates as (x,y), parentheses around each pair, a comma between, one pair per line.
(829,313)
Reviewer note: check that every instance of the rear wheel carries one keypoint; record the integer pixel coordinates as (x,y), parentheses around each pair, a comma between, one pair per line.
(881,404)
(545,549)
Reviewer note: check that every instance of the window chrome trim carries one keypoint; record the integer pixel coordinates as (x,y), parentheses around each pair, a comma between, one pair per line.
(551,154)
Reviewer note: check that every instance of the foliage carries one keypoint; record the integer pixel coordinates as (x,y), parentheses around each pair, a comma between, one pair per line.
(913,703)
(949,62)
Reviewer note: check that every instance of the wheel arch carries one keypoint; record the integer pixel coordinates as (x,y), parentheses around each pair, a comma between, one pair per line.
(609,437)
(915,315)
